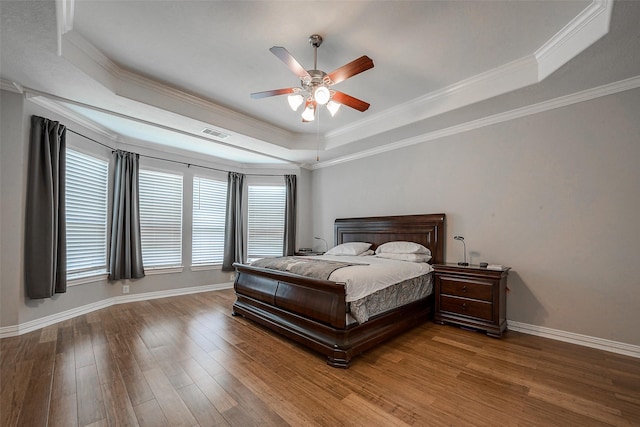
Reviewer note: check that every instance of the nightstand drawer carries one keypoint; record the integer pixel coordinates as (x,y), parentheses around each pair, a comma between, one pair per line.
(464,288)
(466,307)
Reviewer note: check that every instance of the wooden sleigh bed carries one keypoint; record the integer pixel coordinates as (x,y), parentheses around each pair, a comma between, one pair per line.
(313,311)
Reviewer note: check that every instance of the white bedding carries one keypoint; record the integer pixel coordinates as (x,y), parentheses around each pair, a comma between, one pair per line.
(363,280)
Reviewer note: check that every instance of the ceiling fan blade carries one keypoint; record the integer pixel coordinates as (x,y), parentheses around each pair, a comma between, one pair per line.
(284,55)
(274,92)
(350,101)
(354,67)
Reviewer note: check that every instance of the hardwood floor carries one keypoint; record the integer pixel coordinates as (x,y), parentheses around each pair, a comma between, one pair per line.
(184,361)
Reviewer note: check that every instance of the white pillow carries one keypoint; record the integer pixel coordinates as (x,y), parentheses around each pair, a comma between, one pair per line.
(367,253)
(402,248)
(406,257)
(350,248)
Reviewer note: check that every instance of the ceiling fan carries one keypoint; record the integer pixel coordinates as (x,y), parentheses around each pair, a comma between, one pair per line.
(315,84)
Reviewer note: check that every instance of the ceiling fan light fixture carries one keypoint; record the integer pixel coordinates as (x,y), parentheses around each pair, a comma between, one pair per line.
(309,113)
(295,101)
(322,95)
(333,107)
(315,84)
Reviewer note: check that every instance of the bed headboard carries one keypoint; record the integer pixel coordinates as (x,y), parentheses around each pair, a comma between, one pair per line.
(428,230)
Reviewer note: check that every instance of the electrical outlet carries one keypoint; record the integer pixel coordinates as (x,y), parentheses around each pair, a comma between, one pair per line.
(232,276)
(125,289)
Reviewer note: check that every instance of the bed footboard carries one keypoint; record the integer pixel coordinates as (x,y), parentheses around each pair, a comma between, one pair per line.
(322,301)
(313,312)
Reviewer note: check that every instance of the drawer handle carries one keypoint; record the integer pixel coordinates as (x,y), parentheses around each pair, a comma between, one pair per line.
(464,289)
(464,306)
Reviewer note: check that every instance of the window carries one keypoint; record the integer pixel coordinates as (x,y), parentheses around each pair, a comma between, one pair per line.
(265,231)
(209,210)
(160,197)
(86,214)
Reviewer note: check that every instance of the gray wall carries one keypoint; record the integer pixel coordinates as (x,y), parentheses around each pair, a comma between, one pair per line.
(555,196)
(12,162)
(15,308)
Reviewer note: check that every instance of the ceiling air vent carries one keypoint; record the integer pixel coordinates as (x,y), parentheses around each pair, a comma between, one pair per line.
(215,133)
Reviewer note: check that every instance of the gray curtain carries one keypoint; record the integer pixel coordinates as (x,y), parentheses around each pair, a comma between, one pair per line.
(45,259)
(233,233)
(125,255)
(290,215)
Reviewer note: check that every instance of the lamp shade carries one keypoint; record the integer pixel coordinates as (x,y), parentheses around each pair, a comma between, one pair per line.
(309,113)
(333,107)
(295,101)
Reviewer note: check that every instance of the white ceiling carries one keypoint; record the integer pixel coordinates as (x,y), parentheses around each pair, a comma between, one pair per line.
(159,72)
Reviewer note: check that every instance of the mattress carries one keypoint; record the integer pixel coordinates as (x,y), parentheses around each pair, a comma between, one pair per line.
(389,298)
(373,274)
(372,285)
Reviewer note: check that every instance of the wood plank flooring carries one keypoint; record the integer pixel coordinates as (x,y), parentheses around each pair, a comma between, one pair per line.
(185,361)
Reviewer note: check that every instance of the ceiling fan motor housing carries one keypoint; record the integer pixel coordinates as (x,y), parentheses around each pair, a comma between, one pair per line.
(318,78)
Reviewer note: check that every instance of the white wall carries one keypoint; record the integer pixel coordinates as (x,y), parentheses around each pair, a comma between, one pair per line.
(555,196)
(15,307)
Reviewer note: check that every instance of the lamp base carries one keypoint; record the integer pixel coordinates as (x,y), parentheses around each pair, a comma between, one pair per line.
(464,264)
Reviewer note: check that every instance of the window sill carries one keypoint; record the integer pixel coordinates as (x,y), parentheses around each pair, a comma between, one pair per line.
(203,267)
(152,271)
(98,277)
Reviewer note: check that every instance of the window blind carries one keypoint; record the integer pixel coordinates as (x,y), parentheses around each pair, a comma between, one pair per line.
(86,214)
(160,196)
(265,224)
(209,209)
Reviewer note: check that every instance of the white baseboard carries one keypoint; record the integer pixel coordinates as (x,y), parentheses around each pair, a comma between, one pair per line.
(23,328)
(555,334)
(570,337)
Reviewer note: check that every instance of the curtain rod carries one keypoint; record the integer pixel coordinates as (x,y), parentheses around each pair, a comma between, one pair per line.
(169,160)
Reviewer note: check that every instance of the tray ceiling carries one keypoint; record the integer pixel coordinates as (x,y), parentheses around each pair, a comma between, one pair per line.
(161,72)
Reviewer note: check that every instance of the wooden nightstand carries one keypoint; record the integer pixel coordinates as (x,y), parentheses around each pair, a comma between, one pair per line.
(471,296)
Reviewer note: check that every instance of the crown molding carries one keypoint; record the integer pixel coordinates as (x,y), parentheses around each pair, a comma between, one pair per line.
(90,60)
(10,86)
(79,119)
(563,101)
(580,33)
(65,10)
(509,77)
(130,85)
(55,106)
(52,102)
(588,26)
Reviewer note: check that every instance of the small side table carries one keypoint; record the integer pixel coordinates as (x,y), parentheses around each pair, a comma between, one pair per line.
(471,296)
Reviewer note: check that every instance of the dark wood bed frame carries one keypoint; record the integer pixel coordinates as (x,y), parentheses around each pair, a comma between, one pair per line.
(312,311)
